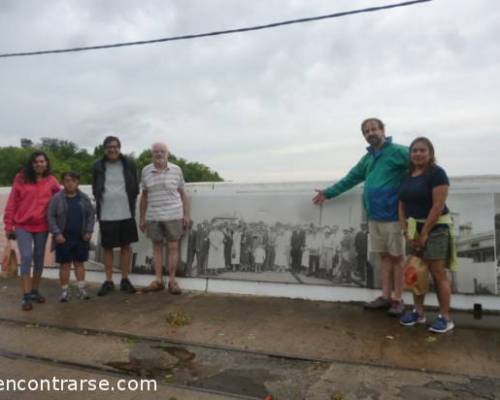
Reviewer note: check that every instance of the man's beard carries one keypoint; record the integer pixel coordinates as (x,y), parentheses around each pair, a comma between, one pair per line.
(375,141)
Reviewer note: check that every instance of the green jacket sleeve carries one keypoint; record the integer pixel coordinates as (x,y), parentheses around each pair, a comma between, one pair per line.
(404,156)
(355,176)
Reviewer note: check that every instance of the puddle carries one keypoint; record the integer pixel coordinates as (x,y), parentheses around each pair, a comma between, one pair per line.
(183,355)
(215,369)
(242,382)
(155,361)
(137,370)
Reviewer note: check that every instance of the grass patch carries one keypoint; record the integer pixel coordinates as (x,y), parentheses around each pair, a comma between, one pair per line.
(178,319)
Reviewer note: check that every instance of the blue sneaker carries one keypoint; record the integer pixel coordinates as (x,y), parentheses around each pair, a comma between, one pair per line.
(26,304)
(412,318)
(442,325)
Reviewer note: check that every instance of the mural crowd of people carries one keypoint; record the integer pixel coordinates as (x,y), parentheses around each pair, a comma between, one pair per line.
(233,245)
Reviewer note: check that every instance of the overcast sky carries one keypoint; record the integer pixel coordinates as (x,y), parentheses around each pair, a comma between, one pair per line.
(273,105)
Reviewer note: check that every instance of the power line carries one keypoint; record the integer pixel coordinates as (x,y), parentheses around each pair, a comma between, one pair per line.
(216,33)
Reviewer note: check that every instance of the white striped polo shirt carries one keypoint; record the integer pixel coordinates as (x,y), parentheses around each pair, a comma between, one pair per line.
(164,200)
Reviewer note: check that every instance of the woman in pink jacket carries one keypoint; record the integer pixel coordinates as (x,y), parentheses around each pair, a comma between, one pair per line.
(25,218)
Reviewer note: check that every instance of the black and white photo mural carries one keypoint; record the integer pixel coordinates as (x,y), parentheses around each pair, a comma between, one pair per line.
(497,239)
(273,233)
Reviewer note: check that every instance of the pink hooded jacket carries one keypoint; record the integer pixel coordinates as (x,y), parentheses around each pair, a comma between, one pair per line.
(28,204)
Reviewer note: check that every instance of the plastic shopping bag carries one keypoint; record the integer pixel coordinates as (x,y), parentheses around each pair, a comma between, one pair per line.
(416,275)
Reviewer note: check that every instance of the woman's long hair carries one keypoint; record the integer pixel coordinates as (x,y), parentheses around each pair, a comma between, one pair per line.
(430,147)
(29,174)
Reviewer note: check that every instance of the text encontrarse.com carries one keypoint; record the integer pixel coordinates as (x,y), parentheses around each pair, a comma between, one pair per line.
(55,384)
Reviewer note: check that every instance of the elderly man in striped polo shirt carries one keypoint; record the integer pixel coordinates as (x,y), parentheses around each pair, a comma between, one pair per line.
(164,213)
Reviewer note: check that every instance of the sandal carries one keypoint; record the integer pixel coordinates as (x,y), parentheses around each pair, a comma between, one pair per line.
(173,288)
(154,286)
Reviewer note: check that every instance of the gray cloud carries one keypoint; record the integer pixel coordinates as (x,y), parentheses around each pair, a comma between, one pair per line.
(282,104)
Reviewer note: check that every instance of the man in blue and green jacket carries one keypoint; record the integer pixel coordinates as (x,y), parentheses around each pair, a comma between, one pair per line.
(382,169)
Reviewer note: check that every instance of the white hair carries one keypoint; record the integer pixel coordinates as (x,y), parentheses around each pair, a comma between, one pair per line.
(160,144)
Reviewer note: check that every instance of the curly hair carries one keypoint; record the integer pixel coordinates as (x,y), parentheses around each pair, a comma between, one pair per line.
(29,174)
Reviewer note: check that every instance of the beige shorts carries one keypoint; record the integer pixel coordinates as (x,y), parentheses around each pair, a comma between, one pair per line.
(171,231)
(386,237)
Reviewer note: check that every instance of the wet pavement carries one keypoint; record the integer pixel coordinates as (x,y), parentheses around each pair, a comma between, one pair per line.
(18,369)
(252,346)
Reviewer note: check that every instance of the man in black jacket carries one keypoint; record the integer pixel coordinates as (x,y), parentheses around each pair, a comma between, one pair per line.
(115,187)
(298,243)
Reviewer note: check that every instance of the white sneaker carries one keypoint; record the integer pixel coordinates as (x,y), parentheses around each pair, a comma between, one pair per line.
(64,297)
(83,294)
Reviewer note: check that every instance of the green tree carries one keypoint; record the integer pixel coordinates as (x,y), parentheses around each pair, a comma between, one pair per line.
(67,156)
(144,159)
(99,151)
(12,159)
(26,143)
(193,171)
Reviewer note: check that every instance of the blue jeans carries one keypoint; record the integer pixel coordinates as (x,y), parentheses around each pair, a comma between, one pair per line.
(32,248)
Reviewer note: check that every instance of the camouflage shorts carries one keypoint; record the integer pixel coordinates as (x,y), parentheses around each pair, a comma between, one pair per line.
(438,245)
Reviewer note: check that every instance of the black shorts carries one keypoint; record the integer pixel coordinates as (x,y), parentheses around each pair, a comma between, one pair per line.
(118,233)
(72,251)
